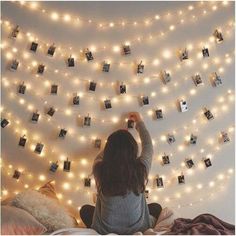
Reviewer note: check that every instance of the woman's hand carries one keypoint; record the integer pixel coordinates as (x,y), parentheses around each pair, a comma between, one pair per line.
(135,116)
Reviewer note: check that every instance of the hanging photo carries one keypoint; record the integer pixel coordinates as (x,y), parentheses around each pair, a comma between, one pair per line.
(54,166)
(87,182)
(140,68)
(145,100)
(89,55)
(183,106)
(87,121)
(41,68)
(146,193)
(39,147)
(16,174)
(51,111)
(207,162)
(71,62)
(62,133)
(92,86)
(208,114)
(107,104)
(54,89)
(130,124)
(22,141)
(67,165)
(159,182)
(165,159)
(205,52)
(22,88)
(15,32)
(106,67)
(4,123)
(33,47)
(122,88)
(76,100)
(218,36)
(181,179)
(225,137)
(51,50)
(126,50)
(170,138)
(193,139)
(217,81)
(183,55)
(189,163)
(159,114)
(166,78)
(35,117)
(197,80)
(14,65)
(98,143)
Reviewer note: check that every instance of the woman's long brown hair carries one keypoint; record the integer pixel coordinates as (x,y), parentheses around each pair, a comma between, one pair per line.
(120,171)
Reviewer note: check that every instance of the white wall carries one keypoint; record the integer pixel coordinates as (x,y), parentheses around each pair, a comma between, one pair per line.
(193,32)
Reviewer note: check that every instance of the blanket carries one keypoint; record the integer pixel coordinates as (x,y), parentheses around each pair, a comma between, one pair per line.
(203,224)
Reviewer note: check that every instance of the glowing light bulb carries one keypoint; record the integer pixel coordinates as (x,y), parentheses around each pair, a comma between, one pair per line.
(54,16)
(166,54)
(66,186)
(67,18)
(172,27)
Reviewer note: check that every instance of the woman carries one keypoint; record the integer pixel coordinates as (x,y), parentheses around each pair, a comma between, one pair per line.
(121,177)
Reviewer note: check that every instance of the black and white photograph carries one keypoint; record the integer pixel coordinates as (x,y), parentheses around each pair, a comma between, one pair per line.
(22,141)
(181,179)
(67,165)
(218,36)
(92,86)
(51,50)
(106,67)
(205,52)
(159,182)
(98,143)
(140,68)
(71,62)
(217,81)
(107,104)
(165,159)
(159,114)
(183,55)
(54,166)
(189,163)
(22,88)
(51,111)
(183,105)
(15,32)
(35,117)
(225,137)
(4,123)
(193,139)
(16,174)
(87,182)
(208,114)
(62,133)
(197,79)
(122,88)
(126,50)
(54,89)
(130,124)
(76,100)
(145,100)
(170,138)
(87,121)
(166,78)
(207,162)
(14,65)
(89,55)
(33,46)
(38,148)
(41,69)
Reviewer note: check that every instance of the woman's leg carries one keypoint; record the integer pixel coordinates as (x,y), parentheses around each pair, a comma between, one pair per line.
(154,209)
(86,214)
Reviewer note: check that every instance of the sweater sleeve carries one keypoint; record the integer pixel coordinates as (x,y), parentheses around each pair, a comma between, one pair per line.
(147,148)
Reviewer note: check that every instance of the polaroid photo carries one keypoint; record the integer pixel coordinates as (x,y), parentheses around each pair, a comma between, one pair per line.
(87,182)
(71,62)
(159,114)
(208,114)
(122,88)
(145,100)
(22,88)
(87,121)
(33,47)
(197,80)
(89,55)
(98,143)
(62,133)
(39,147)
(183,55)
(159,182)
(51,50)
(35,117)
(51,111)
(76,100)
(193,139)
(15,32)
(106,67)
(92,86)
(67,166)
(225,137)
(4,123)
(189,163)
(146,193)
(16,174)
(170,138)
(130,124)
(218,36)
(140,68)
(54,89)
(41,68)
(181,179)
(207,162)
(165,159)
(205,52)
(14,65)
(217,81)
(166,78)
(126,50)
(183,106)
(22,141)
(107,104)
(53,167)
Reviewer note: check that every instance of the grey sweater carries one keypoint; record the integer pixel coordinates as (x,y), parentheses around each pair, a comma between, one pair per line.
(126,214)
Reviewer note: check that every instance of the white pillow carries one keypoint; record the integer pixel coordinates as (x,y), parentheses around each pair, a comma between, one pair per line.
(75,231)
(47,211)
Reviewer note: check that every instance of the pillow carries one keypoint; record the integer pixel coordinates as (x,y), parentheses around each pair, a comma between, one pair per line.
(17,221)
(75,231)
(165,213)
(47,211)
